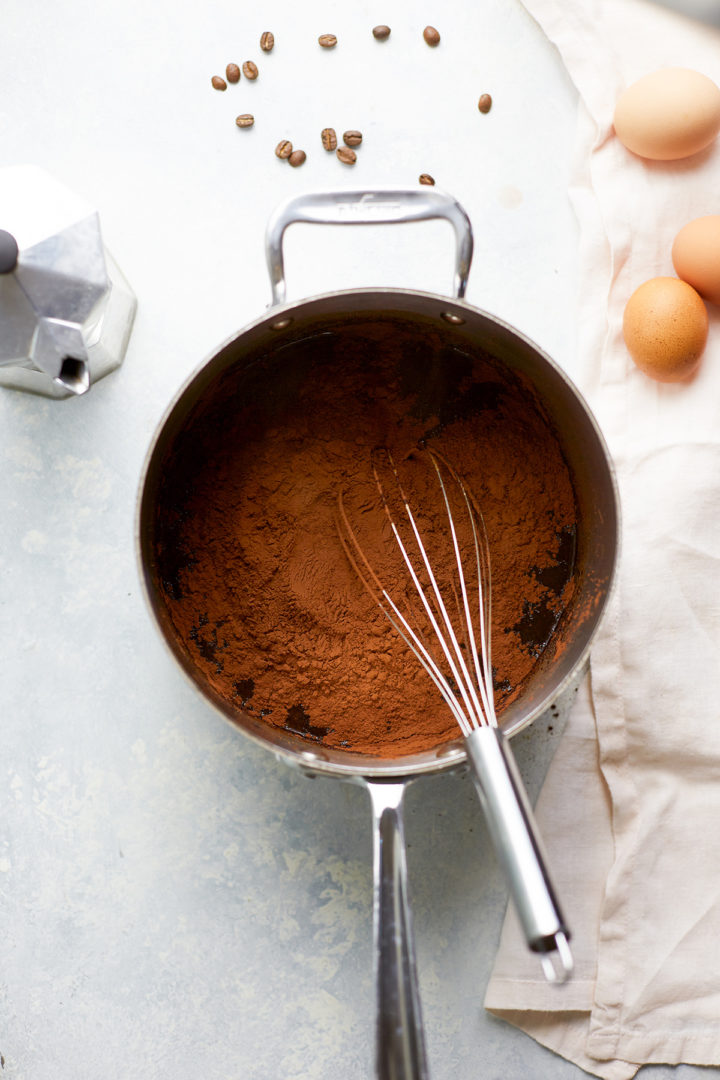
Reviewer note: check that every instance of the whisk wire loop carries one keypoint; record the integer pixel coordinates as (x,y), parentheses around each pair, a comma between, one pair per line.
(483,670)
(467,689)
(474,714)
(392,612)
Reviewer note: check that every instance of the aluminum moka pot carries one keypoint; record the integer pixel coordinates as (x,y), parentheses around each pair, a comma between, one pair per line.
(66,311)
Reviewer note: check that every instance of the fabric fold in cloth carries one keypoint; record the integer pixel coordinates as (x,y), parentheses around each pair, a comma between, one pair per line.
(631,804)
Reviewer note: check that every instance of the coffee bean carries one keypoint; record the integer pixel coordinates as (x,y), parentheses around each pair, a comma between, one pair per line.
(245,120)
(329,138)
(431,36)
(426,178)
(297,157)
(352,138)
(284,148)
(381,33)
(218,83)
(485,103)
(328,41)
(250,70)
(346,155)
(267,41)
(233,73)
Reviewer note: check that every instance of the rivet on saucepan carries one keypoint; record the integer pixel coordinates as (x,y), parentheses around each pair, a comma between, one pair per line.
(281,324)
(310,756)
(451,317)
(449,752)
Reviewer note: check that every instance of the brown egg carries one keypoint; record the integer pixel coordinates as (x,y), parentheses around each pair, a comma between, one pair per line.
(696,256)
(665,327)
(668,114)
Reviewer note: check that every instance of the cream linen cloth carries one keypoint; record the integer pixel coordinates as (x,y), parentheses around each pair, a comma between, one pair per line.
(630,810)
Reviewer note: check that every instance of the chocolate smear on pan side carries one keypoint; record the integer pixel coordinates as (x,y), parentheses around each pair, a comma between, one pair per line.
(256,585)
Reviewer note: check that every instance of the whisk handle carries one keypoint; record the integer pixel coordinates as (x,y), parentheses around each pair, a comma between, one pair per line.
(519,849)
(400,1044)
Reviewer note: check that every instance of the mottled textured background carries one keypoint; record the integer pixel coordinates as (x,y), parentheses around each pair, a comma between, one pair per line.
(174,902)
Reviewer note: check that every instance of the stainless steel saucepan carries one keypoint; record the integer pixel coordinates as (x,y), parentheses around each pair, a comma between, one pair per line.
(400,1053)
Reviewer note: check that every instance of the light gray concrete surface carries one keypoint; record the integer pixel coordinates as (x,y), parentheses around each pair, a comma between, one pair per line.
(174,902)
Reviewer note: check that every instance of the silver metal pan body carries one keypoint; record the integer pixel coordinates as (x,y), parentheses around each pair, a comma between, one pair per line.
(399,1040)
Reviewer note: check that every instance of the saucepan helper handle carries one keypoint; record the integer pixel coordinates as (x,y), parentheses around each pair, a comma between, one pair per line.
(381,207)
(399,1040)
(517,844)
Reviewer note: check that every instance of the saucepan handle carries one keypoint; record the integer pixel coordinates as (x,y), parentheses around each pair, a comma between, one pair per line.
(517,844)
(399,1040)
(381,207)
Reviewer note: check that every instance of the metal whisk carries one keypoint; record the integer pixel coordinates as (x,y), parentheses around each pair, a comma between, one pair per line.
(449,633)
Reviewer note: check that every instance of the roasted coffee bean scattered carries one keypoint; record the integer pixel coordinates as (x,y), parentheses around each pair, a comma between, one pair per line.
(426,178)
(218,83)
(346,155)
(298,157)
(485,103)
(284,149)
(352,138)
(431,36)
(329,138)
(267,41)
(232,71)
(245,120)
(328,41)
(381,33)
(250,70)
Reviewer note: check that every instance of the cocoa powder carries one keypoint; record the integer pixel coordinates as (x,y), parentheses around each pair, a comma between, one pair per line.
(258,590)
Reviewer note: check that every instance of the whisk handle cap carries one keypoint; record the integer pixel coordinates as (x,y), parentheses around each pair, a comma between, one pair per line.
(519,849)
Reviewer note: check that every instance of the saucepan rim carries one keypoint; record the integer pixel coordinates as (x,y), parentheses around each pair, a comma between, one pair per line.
(345,763)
